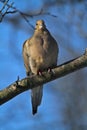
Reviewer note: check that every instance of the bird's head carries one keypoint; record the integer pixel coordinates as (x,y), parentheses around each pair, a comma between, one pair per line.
(40,25)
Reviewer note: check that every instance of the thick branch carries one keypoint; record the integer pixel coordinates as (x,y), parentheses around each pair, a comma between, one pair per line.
(28,83)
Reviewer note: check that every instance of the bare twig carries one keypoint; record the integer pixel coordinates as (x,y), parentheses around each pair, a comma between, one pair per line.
(24,15)
(5,3)
(30,82)
(6,10)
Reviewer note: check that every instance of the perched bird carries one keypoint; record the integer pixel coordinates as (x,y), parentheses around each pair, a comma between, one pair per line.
(40,53)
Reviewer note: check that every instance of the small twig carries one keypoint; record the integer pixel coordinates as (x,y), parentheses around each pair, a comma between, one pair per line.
(6,11)
(11,12)
(46,13)
(24,15)
(5,3)
(25,18)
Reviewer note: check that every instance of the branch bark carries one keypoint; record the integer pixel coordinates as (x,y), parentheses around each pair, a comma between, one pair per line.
(30,82)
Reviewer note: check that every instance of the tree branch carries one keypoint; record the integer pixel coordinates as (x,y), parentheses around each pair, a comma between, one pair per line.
(6,8)
(25,16)
(30,82)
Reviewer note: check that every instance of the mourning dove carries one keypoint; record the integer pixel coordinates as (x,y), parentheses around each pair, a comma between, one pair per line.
(40,52)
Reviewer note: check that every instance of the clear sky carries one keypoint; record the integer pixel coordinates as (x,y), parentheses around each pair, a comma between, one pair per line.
(70,31)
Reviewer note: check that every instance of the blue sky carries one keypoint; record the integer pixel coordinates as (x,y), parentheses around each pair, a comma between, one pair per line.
(70,33)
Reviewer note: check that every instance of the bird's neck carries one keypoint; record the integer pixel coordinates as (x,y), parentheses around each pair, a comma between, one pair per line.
(40,31)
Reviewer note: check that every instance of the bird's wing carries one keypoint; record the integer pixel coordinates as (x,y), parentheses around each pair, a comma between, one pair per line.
(36,93)
(26,56)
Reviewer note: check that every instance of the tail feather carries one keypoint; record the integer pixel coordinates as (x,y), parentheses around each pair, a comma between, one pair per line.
(36,97)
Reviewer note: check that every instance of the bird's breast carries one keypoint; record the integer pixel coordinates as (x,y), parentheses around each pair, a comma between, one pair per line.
(42,52)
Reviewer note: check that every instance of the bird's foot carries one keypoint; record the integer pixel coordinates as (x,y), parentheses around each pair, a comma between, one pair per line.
(50,70)
(39,72)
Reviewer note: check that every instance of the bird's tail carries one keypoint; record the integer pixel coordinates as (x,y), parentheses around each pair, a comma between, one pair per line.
(36,97)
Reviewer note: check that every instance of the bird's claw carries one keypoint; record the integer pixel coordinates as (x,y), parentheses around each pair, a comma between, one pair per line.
(17,80)
(49,70)
(39,72)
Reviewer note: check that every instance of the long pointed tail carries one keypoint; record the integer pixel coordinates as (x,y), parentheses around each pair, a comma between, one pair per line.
(36,97)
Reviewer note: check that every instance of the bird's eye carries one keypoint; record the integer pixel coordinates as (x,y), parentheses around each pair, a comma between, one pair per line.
(36,23)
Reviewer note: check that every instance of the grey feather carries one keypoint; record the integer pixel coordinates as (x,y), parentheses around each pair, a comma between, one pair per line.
(36,97)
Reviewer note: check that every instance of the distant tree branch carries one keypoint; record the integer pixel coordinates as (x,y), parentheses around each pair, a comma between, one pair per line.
(2,12)
(7,6)
(25,16)
(30,82)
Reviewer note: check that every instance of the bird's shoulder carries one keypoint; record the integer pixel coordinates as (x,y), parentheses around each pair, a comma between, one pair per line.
(27,43)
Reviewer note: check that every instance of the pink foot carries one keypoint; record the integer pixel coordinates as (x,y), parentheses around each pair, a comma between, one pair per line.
(49,70)
(39,72)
